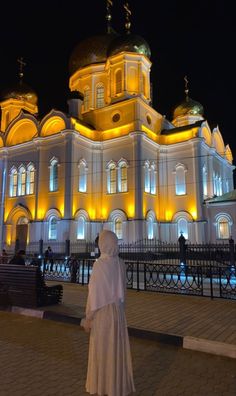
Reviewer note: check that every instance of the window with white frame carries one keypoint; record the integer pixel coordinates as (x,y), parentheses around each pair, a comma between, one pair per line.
(118,81)
(52,228)
(180,182)
(204,180)
(81,227)
(86,99)
(30,180)
(227,186)
(111,179)
(147,177)
(82,176)
(122,177)
(118,228)
(182,225)
(100,96)
(13,183)
(223,227)
(220,185)
(53,179)
(22,181)
(153,184)
(150,224)
(214,184)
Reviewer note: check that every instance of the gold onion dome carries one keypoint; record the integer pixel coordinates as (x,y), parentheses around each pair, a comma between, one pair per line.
(89,51)
(188,107)
(20,91)
(129,43)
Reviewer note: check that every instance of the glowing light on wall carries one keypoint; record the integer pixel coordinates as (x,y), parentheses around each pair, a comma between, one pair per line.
(104,212)
(61,208)
(131,210)
(193,212)
(92,213)
(168,215)
(41,213)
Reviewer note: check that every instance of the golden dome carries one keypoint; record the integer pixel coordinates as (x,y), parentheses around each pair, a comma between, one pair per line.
(129,43)
(21,92)
(89,51)
(188,107)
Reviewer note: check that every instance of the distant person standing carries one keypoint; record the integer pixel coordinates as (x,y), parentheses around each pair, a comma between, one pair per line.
(50,257)
(97,250)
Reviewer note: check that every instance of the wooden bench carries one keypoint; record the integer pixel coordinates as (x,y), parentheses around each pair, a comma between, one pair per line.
(24,286)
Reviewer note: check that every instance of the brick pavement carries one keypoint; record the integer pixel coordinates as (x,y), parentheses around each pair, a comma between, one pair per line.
(190,318)
(195,322)
(40,357)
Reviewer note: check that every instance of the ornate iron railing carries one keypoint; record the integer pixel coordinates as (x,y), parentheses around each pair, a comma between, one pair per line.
(212,280)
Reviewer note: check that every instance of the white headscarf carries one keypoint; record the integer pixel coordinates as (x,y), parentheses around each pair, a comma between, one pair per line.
(108,280)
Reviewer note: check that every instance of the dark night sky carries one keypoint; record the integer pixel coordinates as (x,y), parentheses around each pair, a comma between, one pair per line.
(196,38)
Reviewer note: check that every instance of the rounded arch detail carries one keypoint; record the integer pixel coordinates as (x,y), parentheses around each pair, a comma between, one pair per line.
(118,213)
(53,212)
(182,214)
(22,131)
(82,213)
(18,212)
(52,125)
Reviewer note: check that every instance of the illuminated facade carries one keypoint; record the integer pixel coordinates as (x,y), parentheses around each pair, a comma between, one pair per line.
(114,162)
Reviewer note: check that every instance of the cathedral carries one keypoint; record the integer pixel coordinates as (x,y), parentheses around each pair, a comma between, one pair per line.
(112,161)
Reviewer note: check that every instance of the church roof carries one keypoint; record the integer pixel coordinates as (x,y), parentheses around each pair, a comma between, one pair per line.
(230,196)
(129,43)
(188,107)
(20,91)
(181,129)
(89,51)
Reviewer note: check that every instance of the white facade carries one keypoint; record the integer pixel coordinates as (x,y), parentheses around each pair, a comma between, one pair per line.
(114,162)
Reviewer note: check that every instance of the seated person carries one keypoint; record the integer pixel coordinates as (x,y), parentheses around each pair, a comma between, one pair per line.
(18,258)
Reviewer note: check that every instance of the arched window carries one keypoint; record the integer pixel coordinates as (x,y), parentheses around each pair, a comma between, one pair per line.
(13,183)
(144,84)
(53,182)
(180,183)
(111,179)
(118,81)
(21,181)
(223,228)
(220,185)
(122,177)
(52,228)
(81,228)
(118,228)
(153,184)
(133,80)
(214,184)
(147,182)
(86,99)
(150,227)
(100,96)
(227,186)
(182,225)
(30,180)
(82,176)
(204,181)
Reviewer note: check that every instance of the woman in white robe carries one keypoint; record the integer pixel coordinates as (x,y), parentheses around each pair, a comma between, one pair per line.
(109,361)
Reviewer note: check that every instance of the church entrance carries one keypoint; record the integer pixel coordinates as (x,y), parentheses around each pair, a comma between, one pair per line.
(21,234)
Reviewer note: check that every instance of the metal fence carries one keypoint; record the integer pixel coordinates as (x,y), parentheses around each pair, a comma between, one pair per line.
(215,281)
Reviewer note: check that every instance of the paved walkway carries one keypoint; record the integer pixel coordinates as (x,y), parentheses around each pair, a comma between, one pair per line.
(42,357)
(196,323)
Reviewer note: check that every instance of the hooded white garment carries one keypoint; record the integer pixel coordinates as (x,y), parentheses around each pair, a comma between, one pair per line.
(109,362)
(108,280)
